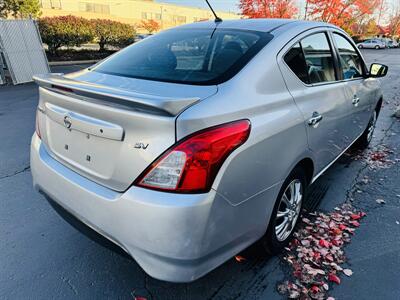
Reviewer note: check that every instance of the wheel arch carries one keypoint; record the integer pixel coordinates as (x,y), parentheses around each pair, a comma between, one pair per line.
(307,165)
(379,105)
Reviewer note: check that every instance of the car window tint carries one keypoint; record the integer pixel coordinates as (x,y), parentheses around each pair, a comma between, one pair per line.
(319,58)
(197,56)
(350,61)
(190,53)
(295,60)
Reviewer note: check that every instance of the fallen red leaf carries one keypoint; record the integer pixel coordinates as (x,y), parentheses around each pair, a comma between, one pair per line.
(355,216)
(324,243)
(314,289)
(354,223)
(239,258)
(140,298)
(329,257)
(342,226)
(332,277)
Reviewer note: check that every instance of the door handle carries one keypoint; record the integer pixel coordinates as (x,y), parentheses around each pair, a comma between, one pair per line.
(355,100)
(315,119)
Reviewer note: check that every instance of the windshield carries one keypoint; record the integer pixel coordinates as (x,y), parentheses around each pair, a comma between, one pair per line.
(192,56)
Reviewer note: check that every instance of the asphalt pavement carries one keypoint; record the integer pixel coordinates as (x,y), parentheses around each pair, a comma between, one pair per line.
(43,257)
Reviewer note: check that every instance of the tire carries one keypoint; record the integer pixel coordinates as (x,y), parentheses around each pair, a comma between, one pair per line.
(365,139)
(377,47)
(274,240)
(360,46)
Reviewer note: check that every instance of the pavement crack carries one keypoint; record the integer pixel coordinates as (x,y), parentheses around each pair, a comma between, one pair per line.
(356,180)
(68,282)
(27,168)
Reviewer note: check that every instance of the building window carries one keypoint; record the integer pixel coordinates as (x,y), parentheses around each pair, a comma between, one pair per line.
(50,4)
(181,19)
(158,16)
(94,8)
(144,15)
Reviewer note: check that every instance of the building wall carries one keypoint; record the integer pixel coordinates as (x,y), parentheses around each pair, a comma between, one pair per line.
(130,11)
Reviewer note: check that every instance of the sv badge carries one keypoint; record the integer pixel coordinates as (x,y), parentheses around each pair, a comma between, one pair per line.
(141,146)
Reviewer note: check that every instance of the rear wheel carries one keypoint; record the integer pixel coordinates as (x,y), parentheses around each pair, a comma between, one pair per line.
(377,47)
(286,212)
(360,46)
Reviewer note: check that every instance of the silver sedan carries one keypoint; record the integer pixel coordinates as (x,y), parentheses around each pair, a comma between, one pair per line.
(372,44)
(194,143)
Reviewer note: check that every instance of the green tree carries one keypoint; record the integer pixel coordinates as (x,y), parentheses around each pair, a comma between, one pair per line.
(20,8)
(65,31)
(113,33)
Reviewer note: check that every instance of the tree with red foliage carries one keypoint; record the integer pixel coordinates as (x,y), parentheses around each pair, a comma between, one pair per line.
(343,13)
(394,25)
(150,25)
(268,8)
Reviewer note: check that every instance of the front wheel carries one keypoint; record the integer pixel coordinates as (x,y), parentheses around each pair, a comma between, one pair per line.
(364,140)
(286,213)
(377,47)
(360,46)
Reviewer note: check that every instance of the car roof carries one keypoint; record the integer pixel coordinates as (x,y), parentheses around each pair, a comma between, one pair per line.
(265,25)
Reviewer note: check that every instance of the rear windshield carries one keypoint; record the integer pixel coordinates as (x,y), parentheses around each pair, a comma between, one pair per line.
(191,56)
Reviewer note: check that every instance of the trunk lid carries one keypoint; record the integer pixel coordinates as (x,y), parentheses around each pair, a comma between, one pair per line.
(110,128)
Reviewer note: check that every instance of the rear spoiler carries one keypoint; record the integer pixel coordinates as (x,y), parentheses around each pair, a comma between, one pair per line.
(156,104)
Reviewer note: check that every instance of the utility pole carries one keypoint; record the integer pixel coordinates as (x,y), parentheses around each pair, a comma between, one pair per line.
(380,12)
(305,10)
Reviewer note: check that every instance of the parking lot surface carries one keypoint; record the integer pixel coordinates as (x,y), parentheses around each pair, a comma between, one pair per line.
(43,257)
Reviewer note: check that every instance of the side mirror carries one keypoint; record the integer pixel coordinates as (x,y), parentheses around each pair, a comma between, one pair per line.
(378,70)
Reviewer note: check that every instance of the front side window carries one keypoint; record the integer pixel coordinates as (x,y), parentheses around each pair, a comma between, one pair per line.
(311,59)
(319,58)
(191,56)
(350,61)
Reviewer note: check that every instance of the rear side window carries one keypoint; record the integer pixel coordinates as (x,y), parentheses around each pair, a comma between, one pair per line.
(350,61)
(297,63)
(192,56)
(312,60)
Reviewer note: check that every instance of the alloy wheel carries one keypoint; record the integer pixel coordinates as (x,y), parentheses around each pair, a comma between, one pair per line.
(371,127)
(288,210)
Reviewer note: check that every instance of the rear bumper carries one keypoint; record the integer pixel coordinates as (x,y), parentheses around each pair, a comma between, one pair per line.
(173,237)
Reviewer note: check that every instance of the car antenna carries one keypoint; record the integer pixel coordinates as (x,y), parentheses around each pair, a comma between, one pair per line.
(217,19)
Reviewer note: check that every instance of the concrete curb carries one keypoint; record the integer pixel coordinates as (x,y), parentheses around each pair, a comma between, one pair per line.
(74,62)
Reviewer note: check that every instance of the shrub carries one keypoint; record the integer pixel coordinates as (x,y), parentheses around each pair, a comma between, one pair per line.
(113,33)
(65,31)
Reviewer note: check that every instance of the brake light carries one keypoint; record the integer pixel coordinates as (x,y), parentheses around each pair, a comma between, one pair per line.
(37,128)
(190,166)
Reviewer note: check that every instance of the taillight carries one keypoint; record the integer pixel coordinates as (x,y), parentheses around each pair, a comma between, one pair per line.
(191,165)
(37,128)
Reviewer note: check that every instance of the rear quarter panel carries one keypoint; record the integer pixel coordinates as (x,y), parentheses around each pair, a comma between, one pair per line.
(277,140)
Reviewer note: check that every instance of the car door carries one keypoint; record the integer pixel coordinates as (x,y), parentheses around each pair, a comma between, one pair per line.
(358,90)
(310,71)
(370,44)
